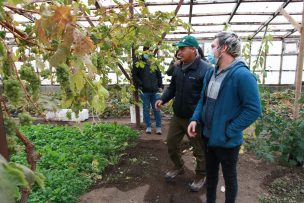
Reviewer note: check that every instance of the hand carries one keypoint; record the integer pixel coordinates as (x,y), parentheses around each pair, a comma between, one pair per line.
(158,104)
(192,129)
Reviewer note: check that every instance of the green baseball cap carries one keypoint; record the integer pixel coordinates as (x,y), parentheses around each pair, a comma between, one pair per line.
(187,41)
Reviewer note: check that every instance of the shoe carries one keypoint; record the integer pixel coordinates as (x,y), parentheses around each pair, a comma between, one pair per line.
(148,130)
(158,131)
(197,184)
(171,174)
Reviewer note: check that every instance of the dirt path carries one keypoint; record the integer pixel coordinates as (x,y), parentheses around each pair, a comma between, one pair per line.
(139,178)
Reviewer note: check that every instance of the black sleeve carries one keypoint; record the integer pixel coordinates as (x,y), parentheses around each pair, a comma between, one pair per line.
(135,76)
(159,79)
(170,91)
(171,69)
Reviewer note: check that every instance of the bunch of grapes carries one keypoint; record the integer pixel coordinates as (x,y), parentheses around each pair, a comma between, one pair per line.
(12,90)
(28,74)
(25,119)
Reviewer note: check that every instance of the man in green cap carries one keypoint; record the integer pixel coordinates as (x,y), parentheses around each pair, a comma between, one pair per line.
(185,88)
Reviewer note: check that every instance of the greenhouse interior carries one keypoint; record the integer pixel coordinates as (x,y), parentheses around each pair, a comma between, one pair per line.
(145,101)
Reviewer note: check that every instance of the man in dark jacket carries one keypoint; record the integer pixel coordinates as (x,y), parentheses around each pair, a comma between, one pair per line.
(185,87)
(148,82)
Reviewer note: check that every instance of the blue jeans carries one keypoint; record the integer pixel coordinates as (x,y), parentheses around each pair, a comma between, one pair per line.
(149,100)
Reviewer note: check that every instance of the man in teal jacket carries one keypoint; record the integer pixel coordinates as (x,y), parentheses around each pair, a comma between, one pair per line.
(229,103)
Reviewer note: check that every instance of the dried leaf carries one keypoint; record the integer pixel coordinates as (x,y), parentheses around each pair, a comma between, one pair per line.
(83,46)
(61,18)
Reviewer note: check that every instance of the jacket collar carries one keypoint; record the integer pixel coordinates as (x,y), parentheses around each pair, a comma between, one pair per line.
(194,64)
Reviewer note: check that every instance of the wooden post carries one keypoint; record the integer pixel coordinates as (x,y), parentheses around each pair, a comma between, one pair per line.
(298,79)
(3,142)
(135,93)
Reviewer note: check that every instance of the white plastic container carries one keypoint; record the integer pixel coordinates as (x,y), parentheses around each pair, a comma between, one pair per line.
(61,115)
(133,114)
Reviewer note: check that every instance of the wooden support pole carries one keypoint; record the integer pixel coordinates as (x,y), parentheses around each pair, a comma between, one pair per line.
(3,142)
(298,79)
(291,20)
(135,93)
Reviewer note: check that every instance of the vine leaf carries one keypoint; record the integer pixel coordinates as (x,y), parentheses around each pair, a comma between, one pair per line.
(60,56)
(77,81)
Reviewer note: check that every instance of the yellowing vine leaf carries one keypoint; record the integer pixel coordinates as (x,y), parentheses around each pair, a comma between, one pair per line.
(77,81)
(60,56)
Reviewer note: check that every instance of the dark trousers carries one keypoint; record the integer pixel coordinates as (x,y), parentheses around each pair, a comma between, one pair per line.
(228,159)
(177,130)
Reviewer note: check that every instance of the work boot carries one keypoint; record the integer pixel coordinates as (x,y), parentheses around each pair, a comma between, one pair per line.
(197,184)
(171,174)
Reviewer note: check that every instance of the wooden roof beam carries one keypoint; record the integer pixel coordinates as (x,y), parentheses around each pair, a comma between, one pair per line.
(290,19)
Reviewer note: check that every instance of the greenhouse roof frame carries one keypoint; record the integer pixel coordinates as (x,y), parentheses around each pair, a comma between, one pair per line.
(248,18)
(288,33)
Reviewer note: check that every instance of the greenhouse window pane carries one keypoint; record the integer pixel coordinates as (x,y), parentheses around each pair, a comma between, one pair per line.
(249,18)
(288,77)
(210,8)
(259,6)
(291,48)
(273,62)
(210,19)
(294,7)
(275,47)
(289,62)
(272,78)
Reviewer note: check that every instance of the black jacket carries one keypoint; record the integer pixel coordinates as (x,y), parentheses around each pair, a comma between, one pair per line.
(186,87)
(145,80)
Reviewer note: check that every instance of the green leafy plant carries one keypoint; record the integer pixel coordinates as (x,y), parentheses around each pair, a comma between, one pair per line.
(72,159)
(278,135)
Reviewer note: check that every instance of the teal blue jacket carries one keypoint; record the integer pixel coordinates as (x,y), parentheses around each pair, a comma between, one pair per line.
(237,106)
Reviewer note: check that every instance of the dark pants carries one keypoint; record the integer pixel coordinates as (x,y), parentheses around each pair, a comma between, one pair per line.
(177,130)
(228,159)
